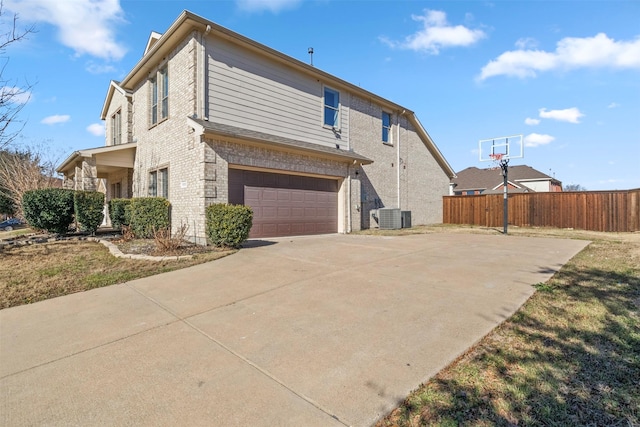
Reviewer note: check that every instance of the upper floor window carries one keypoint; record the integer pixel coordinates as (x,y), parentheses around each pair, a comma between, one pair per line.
(160,96)
(116,128)
(386,127)
(331,108)
(159,183)
(164,93)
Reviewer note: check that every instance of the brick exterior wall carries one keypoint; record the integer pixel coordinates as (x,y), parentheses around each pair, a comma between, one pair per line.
(422,180)
(171,143)
(221,154)
(119,102)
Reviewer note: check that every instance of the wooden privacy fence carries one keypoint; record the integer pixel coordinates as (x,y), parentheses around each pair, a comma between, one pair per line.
(585,210)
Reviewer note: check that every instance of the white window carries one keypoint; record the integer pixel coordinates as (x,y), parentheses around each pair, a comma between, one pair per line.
(164,93)
(159,183)
(386,127)
(160,96)
(331,108)
(116,128)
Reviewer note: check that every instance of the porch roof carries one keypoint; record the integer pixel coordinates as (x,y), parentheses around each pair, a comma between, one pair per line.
(108,159)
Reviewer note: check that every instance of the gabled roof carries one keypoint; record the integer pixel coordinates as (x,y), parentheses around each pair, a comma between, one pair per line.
(473,178)
(273,141)
(113,87)
(188,22)
(153,38)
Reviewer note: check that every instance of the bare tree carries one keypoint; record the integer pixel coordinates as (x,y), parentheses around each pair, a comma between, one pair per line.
(22,170)
(13,96)
(574,187)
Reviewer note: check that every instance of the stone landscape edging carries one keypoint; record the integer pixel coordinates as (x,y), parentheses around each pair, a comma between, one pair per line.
(113,249)
(116,252)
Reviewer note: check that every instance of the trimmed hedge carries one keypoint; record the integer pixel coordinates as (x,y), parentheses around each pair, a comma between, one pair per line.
(148,214)
(49,209)
(89,209)
(118,212)
(228,225)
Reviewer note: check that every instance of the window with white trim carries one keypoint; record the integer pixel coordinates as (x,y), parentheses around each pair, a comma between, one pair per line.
(164,93)
(160,96)
(116,128)
(331,108)
(386,127)
(159,183)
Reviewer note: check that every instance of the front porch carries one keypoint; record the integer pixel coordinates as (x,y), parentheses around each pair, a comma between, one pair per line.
(107,169)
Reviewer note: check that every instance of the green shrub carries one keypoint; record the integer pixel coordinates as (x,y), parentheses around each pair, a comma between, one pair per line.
(89,209)
(49,209)
(148,214)
(228,225)
(118,212)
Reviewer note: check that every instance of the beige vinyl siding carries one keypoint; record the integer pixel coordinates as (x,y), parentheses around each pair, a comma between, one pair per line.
(252,92)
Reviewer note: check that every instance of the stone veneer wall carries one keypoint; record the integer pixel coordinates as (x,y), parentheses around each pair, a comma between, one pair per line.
(422,180)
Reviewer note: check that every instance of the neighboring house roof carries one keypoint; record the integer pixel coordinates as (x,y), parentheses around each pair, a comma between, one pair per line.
(489,179)
(158,48)
(259,138)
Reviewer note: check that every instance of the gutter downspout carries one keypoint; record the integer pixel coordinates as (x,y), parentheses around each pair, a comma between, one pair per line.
(398,154)
(348,198)
(204,89)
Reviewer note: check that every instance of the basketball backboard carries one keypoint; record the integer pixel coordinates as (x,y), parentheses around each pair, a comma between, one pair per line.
(501,148)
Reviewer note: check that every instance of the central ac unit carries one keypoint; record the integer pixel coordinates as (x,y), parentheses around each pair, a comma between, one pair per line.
(390,218)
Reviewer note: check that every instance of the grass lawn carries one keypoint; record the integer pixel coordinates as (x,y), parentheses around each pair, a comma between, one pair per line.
(38,272)
(570,356)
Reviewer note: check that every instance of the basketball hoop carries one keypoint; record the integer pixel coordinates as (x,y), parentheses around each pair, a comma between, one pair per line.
(499,151)
(496,158)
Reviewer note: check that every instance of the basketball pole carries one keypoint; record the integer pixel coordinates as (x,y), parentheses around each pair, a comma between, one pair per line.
(504,165)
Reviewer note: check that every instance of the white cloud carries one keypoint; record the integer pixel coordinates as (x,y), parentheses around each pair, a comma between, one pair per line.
(96,129)
(599,51)
(613,105)
(526,43)
(273,6)
(536,139)
(436,34)
(15,95)
(94,68)
(571,115)
(56,119)
(531,122)
(86,26)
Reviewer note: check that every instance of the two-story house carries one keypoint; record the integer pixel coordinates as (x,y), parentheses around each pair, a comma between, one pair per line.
(210,116)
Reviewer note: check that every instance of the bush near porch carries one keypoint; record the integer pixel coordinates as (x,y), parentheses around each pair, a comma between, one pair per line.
(89,209)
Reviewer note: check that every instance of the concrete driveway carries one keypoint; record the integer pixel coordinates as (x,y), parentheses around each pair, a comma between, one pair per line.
(312,331)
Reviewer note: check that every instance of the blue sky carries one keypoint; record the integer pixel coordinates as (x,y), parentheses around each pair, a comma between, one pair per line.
(565,74)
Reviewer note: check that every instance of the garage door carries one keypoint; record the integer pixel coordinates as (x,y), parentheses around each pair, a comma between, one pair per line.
(286,205)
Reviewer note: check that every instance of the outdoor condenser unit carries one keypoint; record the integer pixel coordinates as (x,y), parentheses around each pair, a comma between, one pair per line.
(390,218)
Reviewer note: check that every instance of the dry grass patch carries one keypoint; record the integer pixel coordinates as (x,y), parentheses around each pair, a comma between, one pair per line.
(569,356)
(38,272)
